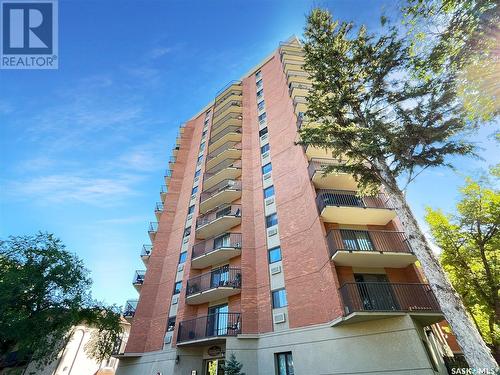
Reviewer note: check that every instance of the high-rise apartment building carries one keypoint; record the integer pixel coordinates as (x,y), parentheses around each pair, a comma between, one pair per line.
(255,252)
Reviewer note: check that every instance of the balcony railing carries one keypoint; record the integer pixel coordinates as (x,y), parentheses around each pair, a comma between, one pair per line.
(163,189)
(221,121)
(159,207)
(146,250)
(221,186)
(227,241)
(226,146)
(348,198)
(168,173)
(319,165)
(139,277)
(367,240)
(223,277)
(384,297)
(233,163)
(129,309)
(153,227)
(229,129)
(210,326)
(236,103)
(233,210)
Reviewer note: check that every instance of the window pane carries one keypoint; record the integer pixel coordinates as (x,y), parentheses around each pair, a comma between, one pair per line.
(183,257)
(268,192)
(177,287)
(262,117)
(262,132)
(267,168)
(282,364)
(271,220)
(260,105)
(274,255)
(197,173)
(191,209)
(279,298)
(260,93)
(289,364)
(202,146)
(264,148)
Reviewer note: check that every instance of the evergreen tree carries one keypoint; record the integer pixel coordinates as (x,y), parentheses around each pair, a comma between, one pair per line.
(368,106)
(232,366)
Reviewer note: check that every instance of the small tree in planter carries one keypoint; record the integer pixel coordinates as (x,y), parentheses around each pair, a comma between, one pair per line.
(232,366)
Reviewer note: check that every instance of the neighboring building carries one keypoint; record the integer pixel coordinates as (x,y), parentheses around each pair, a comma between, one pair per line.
(73,359)
(255,252)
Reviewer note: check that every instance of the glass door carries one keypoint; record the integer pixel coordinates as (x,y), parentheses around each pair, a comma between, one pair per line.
(376,292)
(217,320)
(219,277)
(214,367)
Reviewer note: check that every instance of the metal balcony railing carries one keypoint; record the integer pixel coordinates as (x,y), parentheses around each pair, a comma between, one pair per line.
(318,165)
(223,277)
(153,227)
(159,207)
(221,121)
(221,186)
(367,240)
(139,277)
(214,325)
(224,147)
(163,189)
(226,86)
(226,241)
(146,250)
(229,104)
(233,163)
(347,198)
(168,173)
(233,210)
(129,308)
(229,129)
(383,296)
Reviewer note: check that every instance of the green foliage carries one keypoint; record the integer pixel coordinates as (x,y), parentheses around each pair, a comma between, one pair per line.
(232,366)
(44,292)
(470,240)
(462,35)
(371,110)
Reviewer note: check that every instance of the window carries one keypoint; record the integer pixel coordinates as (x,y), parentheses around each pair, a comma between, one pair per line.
(274,254)
(177,287)
(171,324)
(197,173)
(200,158)
(262,117)
(194,190)
(271,220)
(267,168)
(202,146)
(269,192)
(263,132)
(187,232)
(284,363)
(191,209)
(204,133)
(258,75)
(222,241)
(264,148)
(183,257)
(259,83)
(261,105)
(260,93)
(279,298)
(207,121)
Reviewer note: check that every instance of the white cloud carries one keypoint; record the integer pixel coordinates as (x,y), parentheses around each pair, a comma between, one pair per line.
(159,52)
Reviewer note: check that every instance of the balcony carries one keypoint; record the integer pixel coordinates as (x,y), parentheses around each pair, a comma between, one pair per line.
(313,152)
(229,96)
(332,180)
(230,106)
(217,222)
(291,48)
(163,193)
(224,192)
(288,58)
(158,210)
(375,300)
(229,150)
(233,86)
(219,283)
(345,207)
(138,279)
(129,309)
(208,329)
(216,250)
(294,69)
(370,248)
(228,169)
(168,176)
(229,134)
(231,119)
(146,253)
(299,80)
(153,229)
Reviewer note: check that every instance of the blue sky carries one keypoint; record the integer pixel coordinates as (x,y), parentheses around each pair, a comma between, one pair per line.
(83,148)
